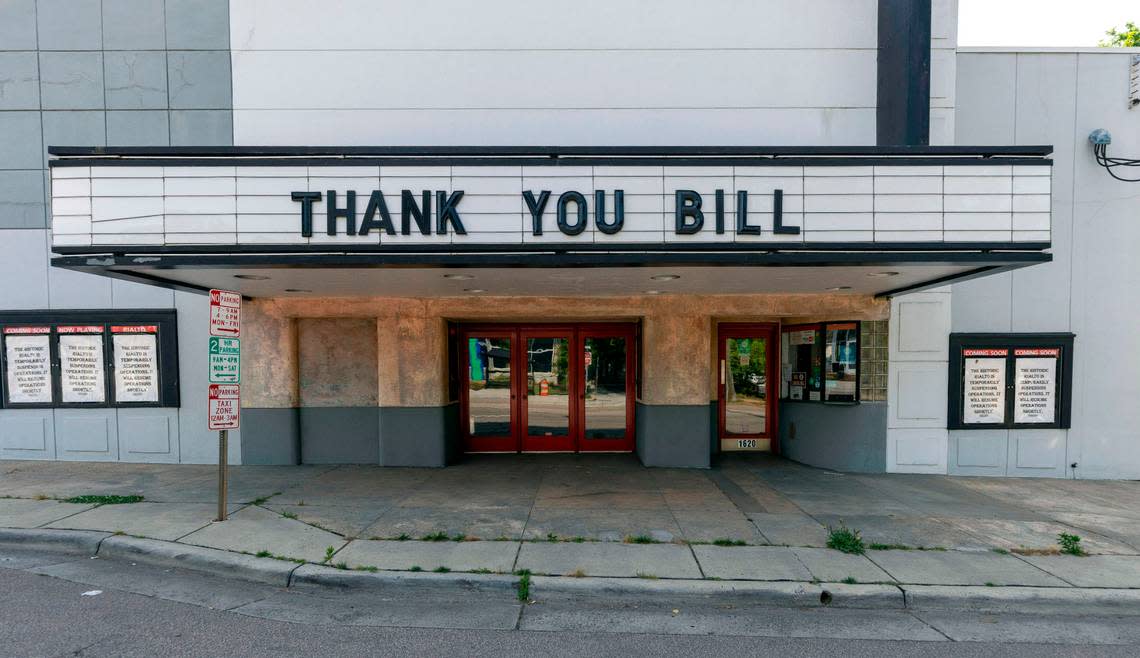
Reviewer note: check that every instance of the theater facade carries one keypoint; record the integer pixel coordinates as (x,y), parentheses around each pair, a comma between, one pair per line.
(408,305)
(821,230)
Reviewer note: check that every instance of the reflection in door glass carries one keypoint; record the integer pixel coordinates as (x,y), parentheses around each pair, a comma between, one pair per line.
(489,386)
(548,395)
(604,359)
(746,386)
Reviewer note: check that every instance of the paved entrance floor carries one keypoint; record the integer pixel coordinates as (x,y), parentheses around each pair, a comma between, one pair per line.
(608,515)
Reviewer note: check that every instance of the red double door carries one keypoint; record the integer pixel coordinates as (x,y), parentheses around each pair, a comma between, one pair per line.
(547,388)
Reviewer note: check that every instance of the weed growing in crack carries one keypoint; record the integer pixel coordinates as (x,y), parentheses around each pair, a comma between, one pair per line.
(845,540)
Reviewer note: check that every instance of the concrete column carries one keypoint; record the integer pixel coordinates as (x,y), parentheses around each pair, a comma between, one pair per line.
(674,420)
(270,391)
(418,423)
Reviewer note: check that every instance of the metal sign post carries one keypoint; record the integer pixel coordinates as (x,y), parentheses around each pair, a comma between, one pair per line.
(224,399)
(223,465)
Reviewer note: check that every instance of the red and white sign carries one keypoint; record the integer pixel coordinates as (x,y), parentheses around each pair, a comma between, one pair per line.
(1054,352)
(224,407)
(984,352)
(225,313)
(17,331)
(134,328)
(80,329)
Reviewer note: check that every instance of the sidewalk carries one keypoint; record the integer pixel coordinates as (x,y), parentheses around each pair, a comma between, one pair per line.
(607,517)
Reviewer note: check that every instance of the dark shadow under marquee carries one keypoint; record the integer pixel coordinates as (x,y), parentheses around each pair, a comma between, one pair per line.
(131,321)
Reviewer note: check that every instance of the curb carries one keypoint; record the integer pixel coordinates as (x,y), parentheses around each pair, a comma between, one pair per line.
(197,558)
(784,594)
(221,563)
(1063,600)
(70,542)
(315,575)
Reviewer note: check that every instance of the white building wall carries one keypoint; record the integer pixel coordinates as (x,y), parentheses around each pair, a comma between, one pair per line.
(351,72)
(1058,97)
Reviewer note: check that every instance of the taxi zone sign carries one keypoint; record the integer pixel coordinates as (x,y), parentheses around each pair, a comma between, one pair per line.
(224,360)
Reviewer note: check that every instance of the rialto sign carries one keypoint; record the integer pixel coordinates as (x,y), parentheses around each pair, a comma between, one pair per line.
(570,214)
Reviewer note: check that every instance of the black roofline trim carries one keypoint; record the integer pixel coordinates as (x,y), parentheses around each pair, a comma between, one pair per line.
(540,248)
(548,151)
(331,261)
(542,161)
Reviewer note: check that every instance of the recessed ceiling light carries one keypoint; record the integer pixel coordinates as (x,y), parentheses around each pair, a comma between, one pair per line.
(653,292)
(458,277)
(837,288)
(297,290)
(882,274)
(665,277)
(473,290)
(251,277)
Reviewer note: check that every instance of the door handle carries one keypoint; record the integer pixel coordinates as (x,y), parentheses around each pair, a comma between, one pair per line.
(722,372)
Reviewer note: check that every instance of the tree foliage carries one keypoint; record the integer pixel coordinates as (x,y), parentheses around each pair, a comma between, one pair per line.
(1129,37)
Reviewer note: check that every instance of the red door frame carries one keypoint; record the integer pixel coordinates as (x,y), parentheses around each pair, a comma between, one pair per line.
(770,331)
(508,442)
(603,330)
(516,440)
(542,443)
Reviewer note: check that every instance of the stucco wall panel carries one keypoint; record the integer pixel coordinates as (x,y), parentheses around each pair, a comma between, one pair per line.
(336,362)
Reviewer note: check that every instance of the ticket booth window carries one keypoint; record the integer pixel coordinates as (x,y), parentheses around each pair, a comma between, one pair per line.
(820,362)
(1021,381)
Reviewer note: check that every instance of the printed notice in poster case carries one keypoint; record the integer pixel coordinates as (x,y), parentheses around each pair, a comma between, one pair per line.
(136,363)
(28,356)
(1035,385)
(81,373)
(983,386)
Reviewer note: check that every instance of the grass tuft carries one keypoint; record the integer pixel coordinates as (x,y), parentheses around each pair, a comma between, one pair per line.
(725,541)
(341,565)
(845,540)
(94,499)
(577,573)
(436,536)
(416,567)
(441,569)
(1000,551)
(329,551)
(551,537)
(876,546)
(647,576)
(289,515)
(264,553)
(640,539)
(369,569)
(523,586)
(1071,544)
(849,580)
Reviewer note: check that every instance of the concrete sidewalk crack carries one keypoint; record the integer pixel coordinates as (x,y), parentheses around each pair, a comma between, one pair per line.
(929,625)
(1042,570)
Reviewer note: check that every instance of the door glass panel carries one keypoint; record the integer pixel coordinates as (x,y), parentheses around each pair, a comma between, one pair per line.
(489,386)
(605,360)
(548,395)
(746,386)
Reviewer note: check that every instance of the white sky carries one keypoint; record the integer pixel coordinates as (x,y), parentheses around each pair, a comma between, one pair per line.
(1041,22)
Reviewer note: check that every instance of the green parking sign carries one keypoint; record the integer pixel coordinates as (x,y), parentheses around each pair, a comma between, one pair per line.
(225,360)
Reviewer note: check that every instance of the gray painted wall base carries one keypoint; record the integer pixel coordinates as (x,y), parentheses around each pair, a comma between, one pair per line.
(849,438)
(674,436)
(418,436)
(340,435)
(270,436)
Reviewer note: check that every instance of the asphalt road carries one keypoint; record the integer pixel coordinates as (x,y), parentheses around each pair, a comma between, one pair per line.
(186,614)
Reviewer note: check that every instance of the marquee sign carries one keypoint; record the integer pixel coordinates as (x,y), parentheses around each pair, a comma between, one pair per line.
(485,204)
